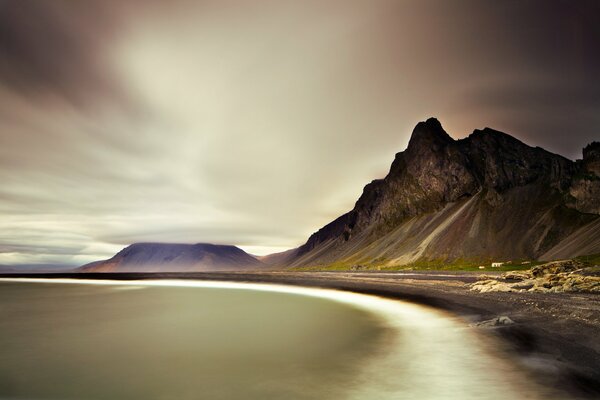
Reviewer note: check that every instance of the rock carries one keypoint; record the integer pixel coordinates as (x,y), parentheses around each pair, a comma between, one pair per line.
(555,267)
(553,277)
(591,158)
(591,271)
(517,275)
(524,284)
(586,194)
(492,285)
(494,322)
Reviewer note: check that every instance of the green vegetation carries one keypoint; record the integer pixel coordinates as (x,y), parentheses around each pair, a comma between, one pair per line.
(330,267)
(440,264)
(427,265)
(463,265)
(589,260)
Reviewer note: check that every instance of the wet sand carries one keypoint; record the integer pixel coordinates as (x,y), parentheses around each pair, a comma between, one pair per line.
(555,336)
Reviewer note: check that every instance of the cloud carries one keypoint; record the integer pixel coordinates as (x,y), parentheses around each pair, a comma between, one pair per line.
(255,123)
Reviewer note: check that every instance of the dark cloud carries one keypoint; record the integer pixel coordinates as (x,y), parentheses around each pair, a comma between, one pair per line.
(56,48)
(548,112)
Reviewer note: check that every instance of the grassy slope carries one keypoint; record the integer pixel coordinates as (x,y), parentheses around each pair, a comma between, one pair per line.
(442,265)
(589,260)
(427,264)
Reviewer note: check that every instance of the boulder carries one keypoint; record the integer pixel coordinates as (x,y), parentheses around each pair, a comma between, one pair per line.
(555,267)
(502,320)
(552,277)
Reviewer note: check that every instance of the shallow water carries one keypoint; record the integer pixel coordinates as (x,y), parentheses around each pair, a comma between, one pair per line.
(206,340)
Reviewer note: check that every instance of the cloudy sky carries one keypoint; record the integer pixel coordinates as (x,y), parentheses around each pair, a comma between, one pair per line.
(256,122)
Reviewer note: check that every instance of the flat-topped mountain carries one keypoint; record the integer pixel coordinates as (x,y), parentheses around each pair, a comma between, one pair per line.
(166,257)
(488,196)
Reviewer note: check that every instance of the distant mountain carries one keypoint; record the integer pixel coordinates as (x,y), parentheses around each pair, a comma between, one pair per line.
(164,257)
(488,196)
(6,268)
(35,268)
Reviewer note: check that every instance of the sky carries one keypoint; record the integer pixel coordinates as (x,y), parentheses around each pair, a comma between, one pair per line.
(256,123)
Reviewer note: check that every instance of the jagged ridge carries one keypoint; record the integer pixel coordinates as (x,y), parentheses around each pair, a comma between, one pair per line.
(486,196)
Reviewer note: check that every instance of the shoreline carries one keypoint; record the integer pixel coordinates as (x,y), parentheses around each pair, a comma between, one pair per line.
(554,335)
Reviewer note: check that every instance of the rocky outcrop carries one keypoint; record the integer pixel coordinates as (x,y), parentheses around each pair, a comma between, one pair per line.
(488,196)
(500,321)
(585,188)
(167,257)
(591,158)
(553,277)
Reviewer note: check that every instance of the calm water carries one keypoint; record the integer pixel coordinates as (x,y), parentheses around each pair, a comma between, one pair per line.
(166,340)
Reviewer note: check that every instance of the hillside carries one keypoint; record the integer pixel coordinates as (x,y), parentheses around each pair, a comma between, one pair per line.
(488,196)
(166,257)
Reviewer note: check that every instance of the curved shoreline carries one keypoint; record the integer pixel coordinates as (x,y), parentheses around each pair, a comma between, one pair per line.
(554,337)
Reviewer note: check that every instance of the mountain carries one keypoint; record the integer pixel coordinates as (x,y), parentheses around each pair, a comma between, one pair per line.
(35,268)
(165,257)
(7,269)
(488,196)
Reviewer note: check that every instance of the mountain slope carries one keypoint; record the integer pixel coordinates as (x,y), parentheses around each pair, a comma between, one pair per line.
(488,196)
(164,257)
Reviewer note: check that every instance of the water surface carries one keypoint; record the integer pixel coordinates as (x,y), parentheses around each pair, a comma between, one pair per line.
(203,340)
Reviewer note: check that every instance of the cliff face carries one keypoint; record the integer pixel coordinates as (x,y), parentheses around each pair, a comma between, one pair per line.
(486,196)
(585,188)
(166,257)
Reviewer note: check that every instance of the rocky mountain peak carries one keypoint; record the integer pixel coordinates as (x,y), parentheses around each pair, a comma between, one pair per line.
(592,151)
(591,157)
(492,141)
(487,195)
(428,135)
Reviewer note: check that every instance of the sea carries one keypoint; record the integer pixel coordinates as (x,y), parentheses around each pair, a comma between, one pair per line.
(177,340)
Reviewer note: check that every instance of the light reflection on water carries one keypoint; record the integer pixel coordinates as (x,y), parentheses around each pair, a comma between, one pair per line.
(224,340)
